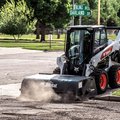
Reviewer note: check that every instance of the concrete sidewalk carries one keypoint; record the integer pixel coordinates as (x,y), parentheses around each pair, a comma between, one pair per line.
(17,50)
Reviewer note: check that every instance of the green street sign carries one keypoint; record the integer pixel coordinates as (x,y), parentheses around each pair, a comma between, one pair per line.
(80,12)
(81,7)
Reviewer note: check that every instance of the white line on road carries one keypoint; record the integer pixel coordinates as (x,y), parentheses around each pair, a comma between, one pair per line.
(10,90)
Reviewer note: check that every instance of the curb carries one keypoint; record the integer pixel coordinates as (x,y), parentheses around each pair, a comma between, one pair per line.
(108,98)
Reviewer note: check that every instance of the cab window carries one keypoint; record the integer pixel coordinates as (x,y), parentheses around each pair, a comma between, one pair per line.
(100,40)
(103,39)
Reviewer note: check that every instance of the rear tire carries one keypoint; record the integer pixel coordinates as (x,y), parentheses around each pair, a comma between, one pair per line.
(114,76)
(101,80)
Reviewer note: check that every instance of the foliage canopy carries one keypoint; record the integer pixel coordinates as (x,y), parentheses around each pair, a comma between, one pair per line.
(50,14)
(13,19)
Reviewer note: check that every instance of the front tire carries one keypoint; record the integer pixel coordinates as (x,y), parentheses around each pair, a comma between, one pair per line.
(114,76)
(56,70)
(101,80)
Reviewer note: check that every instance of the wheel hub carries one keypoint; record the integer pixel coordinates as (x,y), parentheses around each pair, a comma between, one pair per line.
(103,81)
(118,77)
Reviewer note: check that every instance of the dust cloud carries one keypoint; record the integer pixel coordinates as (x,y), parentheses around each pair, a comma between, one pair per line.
(41,92)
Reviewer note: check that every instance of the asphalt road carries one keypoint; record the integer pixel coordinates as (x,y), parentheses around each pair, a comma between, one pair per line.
(16,63)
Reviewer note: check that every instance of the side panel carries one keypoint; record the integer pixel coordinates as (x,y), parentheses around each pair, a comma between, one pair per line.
(112,47)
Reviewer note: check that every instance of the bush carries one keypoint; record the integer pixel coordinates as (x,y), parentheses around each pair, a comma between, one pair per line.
(13,18)
(14,27)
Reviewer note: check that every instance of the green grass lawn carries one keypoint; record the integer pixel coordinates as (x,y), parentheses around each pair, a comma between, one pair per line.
(31,37)
(29,42)
(117,93)
(112,37)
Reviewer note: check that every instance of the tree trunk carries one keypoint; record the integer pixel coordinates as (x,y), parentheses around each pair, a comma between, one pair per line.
(58,34)
(14,37)
(37,36)
(42,33)
(42,37)
(37,30)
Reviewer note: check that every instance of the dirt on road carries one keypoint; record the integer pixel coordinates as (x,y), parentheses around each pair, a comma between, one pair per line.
(15,64)
(12,109)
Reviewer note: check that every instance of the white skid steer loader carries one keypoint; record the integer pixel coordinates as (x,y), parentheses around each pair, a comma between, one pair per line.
(91,62)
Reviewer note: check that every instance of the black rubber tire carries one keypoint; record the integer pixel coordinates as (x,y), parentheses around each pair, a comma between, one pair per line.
(119,56)
(97,75)
(113,76)
(56,70)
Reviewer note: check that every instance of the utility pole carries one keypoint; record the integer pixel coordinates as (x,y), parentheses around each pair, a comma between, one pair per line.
(80,17)
(98,12)
(73,8)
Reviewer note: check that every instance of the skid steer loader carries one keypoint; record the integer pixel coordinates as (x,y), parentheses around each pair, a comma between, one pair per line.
(91,62)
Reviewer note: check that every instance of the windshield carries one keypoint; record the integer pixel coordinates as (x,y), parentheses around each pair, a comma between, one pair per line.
(77,42)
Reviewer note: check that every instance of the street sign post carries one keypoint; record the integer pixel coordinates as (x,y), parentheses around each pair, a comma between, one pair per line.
(80,10)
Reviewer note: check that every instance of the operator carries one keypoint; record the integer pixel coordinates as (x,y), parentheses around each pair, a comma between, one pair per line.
(86,43)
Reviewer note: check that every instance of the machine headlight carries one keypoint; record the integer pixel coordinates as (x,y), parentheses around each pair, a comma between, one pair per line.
(80,85)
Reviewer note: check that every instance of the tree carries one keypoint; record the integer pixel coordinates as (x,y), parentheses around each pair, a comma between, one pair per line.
(108,10)
(13,20)
(14,27)
(45,12)
(92,4)
(2,2)
(61,17)
(111,22)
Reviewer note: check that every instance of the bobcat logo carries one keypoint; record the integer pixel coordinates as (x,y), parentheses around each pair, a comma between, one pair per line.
(76,69)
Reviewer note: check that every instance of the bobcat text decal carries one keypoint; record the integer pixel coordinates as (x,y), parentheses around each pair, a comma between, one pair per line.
(106,52)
